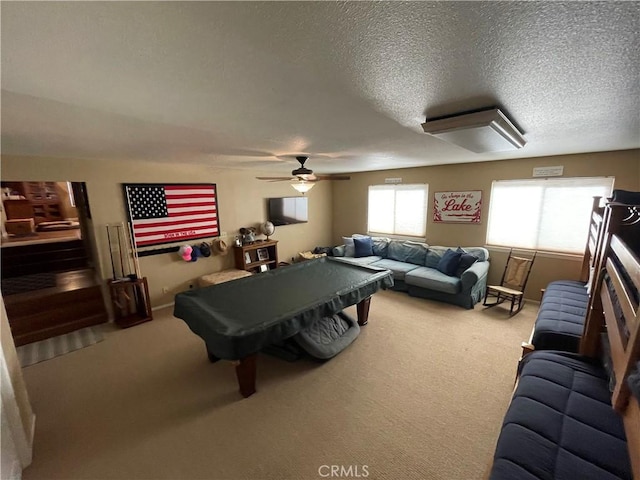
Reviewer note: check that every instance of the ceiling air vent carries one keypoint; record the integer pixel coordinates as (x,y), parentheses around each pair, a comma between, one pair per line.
(480,131)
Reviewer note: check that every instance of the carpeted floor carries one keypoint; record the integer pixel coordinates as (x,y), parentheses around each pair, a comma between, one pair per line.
(421,394)
(36,352)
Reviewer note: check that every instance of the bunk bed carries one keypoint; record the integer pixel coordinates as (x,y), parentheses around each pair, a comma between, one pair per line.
(565,421)
(563,309)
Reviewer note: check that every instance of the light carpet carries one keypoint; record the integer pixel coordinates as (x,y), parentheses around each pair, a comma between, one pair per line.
(53,347)
(420,394)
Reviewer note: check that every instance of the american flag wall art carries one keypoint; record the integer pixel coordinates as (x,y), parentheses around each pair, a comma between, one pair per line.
(170,213)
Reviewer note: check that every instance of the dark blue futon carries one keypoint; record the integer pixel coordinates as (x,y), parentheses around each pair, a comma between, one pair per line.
(560,424)
(561,316)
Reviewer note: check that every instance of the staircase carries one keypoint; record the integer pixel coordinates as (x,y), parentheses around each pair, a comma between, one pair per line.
(75,302)
(48,290)
(19,260)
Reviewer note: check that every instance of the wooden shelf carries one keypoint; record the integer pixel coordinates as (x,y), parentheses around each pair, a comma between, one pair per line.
(130,301)
(247,256)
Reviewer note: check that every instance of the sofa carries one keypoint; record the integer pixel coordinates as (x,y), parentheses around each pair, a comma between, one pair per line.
(449,274)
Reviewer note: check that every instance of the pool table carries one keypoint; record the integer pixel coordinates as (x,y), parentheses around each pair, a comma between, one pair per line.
(237,319)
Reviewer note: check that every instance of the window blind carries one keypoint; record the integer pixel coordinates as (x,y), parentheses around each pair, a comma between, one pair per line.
(544,214)
(398,209)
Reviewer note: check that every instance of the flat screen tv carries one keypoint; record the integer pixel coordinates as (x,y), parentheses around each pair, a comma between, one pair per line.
(288,210)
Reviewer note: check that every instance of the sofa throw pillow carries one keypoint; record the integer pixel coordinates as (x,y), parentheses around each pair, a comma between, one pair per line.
(466,260)
(482,254)
(363,247)
(338,251)
(448,264)
(434,255)
(349,247)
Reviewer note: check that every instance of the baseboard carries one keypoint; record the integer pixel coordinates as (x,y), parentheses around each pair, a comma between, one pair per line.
(165,305)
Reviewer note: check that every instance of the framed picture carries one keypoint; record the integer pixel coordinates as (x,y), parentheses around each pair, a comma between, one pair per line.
(167,213)
(247,257)
(264,268)
(457,207)
(263,254)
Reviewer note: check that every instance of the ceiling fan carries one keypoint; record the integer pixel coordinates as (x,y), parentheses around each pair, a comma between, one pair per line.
(303,177)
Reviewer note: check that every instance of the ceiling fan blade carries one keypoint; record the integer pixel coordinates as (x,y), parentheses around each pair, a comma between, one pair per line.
(333,177)
(303,174)
(276,179)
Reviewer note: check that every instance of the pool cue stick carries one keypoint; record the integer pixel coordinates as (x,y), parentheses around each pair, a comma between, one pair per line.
(127,244)
(120,250)
(113,267)
(138,293)
(136,262)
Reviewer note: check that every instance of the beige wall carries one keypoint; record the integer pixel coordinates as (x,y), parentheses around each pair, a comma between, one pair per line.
(350,202)
(241,202)
(335,208)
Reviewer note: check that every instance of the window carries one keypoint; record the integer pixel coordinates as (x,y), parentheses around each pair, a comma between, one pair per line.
(545,214)
(398,209)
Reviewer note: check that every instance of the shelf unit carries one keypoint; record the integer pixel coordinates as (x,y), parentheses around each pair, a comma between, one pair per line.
(130,299)
(251,257)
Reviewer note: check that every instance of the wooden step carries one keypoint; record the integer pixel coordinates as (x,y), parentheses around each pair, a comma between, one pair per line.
(60,329)
(58,308)
(20,260)
(76,302)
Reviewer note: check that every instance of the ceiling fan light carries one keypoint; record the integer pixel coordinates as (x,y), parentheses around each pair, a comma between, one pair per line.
(302,186)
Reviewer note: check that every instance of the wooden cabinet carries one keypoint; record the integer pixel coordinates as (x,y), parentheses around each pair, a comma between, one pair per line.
(43,199)
(130,299)
(40,191)
(18,209)
(258,256)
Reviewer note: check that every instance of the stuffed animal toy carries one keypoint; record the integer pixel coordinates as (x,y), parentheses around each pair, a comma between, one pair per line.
(248,234)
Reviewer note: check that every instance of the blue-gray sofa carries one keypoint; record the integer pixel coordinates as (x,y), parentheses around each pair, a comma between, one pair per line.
(415,268)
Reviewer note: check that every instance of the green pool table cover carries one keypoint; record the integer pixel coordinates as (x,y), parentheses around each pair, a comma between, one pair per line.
(239,318)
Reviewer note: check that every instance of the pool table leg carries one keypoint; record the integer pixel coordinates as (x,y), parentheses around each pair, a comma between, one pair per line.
(246,373)
(363,311)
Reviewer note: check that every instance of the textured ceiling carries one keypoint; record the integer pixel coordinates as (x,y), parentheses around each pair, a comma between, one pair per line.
(249,85)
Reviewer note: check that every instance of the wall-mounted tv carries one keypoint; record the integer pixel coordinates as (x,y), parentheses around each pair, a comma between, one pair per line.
(288,210)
